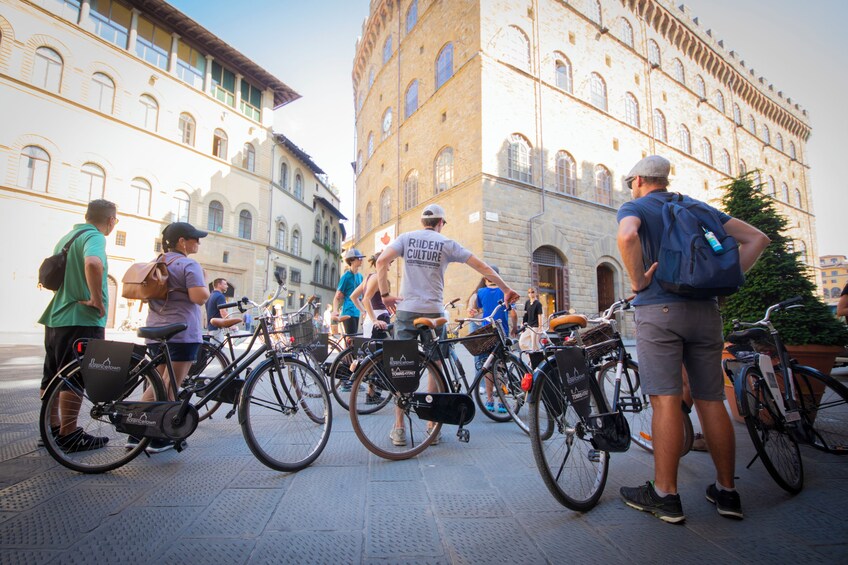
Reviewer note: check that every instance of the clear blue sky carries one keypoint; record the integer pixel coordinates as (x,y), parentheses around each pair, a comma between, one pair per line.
(797,46)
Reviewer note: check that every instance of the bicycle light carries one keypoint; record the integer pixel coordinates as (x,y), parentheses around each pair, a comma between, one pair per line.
(527,382)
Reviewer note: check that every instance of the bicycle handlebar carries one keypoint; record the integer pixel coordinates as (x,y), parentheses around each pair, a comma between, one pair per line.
(794,302)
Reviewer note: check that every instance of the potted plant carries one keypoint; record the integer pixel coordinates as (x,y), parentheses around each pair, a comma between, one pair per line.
(812,334)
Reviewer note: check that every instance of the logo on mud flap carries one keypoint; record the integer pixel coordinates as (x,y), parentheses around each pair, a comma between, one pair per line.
(141,420)
(106,365)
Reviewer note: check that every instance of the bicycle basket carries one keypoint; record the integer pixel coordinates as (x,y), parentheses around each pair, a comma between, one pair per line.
(486,338)
(598,341)
(299,327)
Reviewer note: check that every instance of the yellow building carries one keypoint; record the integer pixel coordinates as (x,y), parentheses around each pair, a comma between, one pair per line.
(522,119)
(833,271)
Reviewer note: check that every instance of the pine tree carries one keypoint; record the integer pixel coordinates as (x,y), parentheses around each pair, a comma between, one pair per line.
(778,275)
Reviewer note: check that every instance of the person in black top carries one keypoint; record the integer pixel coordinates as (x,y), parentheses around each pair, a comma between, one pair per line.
(533,315)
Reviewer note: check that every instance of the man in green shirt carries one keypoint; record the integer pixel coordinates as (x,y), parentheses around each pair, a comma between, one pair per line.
(78,310)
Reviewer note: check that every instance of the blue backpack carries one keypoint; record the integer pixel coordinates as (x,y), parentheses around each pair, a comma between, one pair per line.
(697,258)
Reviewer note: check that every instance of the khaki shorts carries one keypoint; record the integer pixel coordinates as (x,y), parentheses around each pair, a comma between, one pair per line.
(674,334)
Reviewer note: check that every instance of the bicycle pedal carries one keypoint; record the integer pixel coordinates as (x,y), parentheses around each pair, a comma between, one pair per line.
(463,435)
(594,456)
(230,413)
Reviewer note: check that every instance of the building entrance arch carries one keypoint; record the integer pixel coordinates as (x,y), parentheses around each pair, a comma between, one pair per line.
(550,277)
(112,286)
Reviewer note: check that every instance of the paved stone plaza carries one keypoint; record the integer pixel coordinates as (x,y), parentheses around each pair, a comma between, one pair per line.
(481,502)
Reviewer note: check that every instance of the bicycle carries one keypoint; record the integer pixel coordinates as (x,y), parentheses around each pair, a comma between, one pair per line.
(283,407)
(437,399)
(786,404)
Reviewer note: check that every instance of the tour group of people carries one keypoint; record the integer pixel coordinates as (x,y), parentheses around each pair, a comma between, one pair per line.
(673,332)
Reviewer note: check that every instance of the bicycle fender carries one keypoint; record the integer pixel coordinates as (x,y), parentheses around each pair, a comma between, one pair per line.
(739,388)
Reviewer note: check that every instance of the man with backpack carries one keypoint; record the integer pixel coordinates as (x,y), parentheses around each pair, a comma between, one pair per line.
(678,325)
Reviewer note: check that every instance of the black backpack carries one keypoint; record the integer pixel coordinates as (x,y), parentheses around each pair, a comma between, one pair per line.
(51,273)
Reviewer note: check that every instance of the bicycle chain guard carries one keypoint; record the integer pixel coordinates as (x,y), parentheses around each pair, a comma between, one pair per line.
(153,419)
(444,407)
(611,432)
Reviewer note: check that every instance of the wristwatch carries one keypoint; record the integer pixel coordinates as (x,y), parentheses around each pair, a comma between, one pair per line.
(384,294)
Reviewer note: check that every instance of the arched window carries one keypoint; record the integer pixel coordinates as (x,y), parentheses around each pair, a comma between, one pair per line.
(801,249)
(784,192)
(514,48)
(603,185)
(284,175)
(219,143)
(700,87)
(334,281)
(369,217)
(370,77)
(281,235)
(335,240)
(34,168)
(772,187)
(182,206)
(520,162)
(370,144)
(563,74)
(835,292)
(706,151)
(660,131)
(387,49)
(102,94)
(444,65)
(778,142)
(598,92)
(792,154)
(743,168)
(326,239)
(737,115)
(594,11)
(724,162)
(47,69)
(317,230)
(766,135)
(93,180)
(385,205)
(248,157)
(411,99)
(752,124)
(654,57)
(684,140)
(140,192)
(719,101)
(325,279)
(298,186)
(359,162)
(799,201)
(411,15)
(566,173)
(626,32)
(410,190)
(216,217)
(443,170)
(295,243)
(631,110)
(316,272)
(387,123)
(187,127)
(149,112)
(678,72)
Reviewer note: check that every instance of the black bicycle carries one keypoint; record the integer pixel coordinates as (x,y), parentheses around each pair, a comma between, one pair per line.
(784,404)
(283,406)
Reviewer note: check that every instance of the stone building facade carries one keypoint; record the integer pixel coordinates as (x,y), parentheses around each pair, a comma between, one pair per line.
(522,119)
(132,101)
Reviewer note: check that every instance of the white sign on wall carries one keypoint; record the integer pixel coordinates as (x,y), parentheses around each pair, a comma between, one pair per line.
(384,237)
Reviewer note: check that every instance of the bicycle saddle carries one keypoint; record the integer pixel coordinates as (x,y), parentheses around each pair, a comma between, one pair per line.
(225,322)
(751,334)
(568,322)
(432,323)
(161,332)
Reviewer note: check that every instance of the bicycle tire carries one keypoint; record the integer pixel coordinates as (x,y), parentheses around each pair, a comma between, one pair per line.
(285,432)
(115,453)
(823,403)
(497,376)
(373,427)
(641,412)
(340,375)
(211,362)
(775,445)
(574,472)
(510,392)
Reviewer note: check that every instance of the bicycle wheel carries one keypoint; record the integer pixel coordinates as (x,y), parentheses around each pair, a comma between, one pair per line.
(496,376)
(340,376)
(285,418)
(574,471)
(510,394)
(374,426)
(823,402)
(636,405)
(66,395)
(775,445)
(211,362)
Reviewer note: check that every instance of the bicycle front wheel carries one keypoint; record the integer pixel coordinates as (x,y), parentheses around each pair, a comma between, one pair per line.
(98,447)
(286,416)
(507,381)
(211,362)
(391,426)
(340,376)
(572,469)
(823,402)
(774,443)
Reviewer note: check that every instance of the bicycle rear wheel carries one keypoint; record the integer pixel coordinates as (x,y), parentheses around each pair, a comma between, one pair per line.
(66,395)
(508,386)
(340,376)
(211,362)
(498,376)
(774,443)
(574,471)
(823,402)
(374,425)
(286,418)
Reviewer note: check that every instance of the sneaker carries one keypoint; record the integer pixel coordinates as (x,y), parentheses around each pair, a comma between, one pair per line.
(490,406)
(645,498)
(501,408)
(727,502)
(345,386)
(54,430)
(398,437)
(159,445)
(132,442)
(437,438)
(699,443)
(78,440)
(374,398)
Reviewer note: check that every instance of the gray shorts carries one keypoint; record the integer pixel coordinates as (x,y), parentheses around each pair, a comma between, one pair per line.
(677,334)
(404,328)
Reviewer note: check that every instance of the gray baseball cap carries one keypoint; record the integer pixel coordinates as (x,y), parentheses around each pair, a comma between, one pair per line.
(651,166)
(354,254)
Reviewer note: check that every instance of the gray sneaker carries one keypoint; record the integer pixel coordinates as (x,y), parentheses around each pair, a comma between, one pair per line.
(398,437)
(645,498)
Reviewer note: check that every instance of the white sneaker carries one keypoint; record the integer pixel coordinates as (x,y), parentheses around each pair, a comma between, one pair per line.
(398,437)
